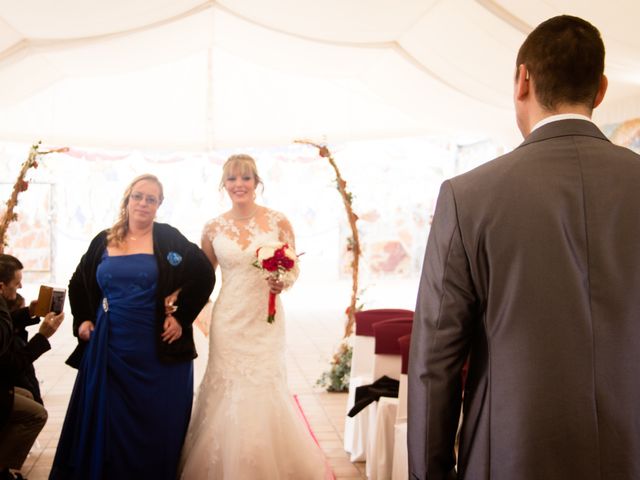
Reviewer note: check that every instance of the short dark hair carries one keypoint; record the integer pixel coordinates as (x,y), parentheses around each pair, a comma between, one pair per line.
(8,266)
(565,58)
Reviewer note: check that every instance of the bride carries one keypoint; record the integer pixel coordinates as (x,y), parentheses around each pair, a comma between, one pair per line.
(245,424)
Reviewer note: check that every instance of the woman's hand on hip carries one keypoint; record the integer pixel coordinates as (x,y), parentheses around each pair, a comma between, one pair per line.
(85,329)
(169,301)
(172,329)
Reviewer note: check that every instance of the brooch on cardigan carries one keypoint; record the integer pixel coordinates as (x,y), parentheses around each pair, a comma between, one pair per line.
(174,258)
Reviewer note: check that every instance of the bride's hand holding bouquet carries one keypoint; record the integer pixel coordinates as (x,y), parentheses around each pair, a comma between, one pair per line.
(277,261)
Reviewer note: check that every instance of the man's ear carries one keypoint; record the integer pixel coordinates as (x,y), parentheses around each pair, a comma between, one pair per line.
(602,89)
(522,82)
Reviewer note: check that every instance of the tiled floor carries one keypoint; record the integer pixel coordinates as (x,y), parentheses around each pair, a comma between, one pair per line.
(315,324)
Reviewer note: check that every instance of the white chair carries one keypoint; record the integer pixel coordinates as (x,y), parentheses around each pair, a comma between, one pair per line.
(356,429)
(400,468)
(381,441)
(400,461)
(388,361)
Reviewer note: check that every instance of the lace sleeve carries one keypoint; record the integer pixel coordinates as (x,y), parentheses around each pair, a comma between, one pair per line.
(210,229)
(285,231)
(209,232)
(285,234)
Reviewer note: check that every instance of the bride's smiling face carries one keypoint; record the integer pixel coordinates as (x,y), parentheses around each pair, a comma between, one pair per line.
(240,186)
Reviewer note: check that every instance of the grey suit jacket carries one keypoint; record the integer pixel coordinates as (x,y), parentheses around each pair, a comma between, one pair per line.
(532,270)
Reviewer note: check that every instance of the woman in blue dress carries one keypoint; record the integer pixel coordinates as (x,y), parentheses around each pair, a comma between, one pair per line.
(133,296)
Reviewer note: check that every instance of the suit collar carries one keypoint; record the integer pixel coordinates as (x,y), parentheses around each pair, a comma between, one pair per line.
(564,128)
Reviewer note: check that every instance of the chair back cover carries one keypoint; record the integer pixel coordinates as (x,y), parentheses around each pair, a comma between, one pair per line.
(365,319)
(386,334)
(404,343)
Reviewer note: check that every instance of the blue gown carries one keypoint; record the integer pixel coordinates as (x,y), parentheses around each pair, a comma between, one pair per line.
(128,413)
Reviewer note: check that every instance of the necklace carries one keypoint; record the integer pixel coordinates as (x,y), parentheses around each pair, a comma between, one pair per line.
(135,239)
(245,217)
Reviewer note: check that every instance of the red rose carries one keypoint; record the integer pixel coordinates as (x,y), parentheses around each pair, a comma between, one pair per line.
(270,264)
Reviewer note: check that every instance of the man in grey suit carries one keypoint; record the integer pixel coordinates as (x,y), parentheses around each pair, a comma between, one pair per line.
(532,273)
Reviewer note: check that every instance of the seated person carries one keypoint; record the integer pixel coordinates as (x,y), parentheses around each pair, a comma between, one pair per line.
(21,418)
(23,317)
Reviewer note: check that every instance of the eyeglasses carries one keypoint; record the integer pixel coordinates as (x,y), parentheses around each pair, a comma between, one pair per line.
(139,197)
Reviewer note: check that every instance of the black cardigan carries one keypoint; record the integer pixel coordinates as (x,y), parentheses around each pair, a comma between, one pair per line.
(181,264)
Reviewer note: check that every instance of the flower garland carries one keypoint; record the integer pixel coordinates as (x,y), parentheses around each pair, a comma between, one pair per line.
(20,186)
(353,243)
(337,378)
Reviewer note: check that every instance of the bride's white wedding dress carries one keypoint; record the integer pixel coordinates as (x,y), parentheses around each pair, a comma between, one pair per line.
(245,425)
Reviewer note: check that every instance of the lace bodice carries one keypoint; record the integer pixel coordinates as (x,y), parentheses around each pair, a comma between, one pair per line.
(266,222)
(235,243)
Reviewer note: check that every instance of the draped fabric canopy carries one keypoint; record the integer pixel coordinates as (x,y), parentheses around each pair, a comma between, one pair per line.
(197,75)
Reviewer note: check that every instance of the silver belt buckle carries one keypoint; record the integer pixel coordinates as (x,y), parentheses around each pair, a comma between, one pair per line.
(105,304)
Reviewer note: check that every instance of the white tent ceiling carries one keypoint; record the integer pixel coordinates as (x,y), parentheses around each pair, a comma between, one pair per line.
(193,74)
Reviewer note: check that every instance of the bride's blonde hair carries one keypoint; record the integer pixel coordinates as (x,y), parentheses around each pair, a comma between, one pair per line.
(119,229)
(241,164)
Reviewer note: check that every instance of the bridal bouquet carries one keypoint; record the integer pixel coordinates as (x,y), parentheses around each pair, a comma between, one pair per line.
(276,260)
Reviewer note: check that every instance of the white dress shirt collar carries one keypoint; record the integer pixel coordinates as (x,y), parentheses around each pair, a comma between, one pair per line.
(562,116)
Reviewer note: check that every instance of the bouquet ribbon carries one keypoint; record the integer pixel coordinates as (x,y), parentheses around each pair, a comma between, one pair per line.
(272,308)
